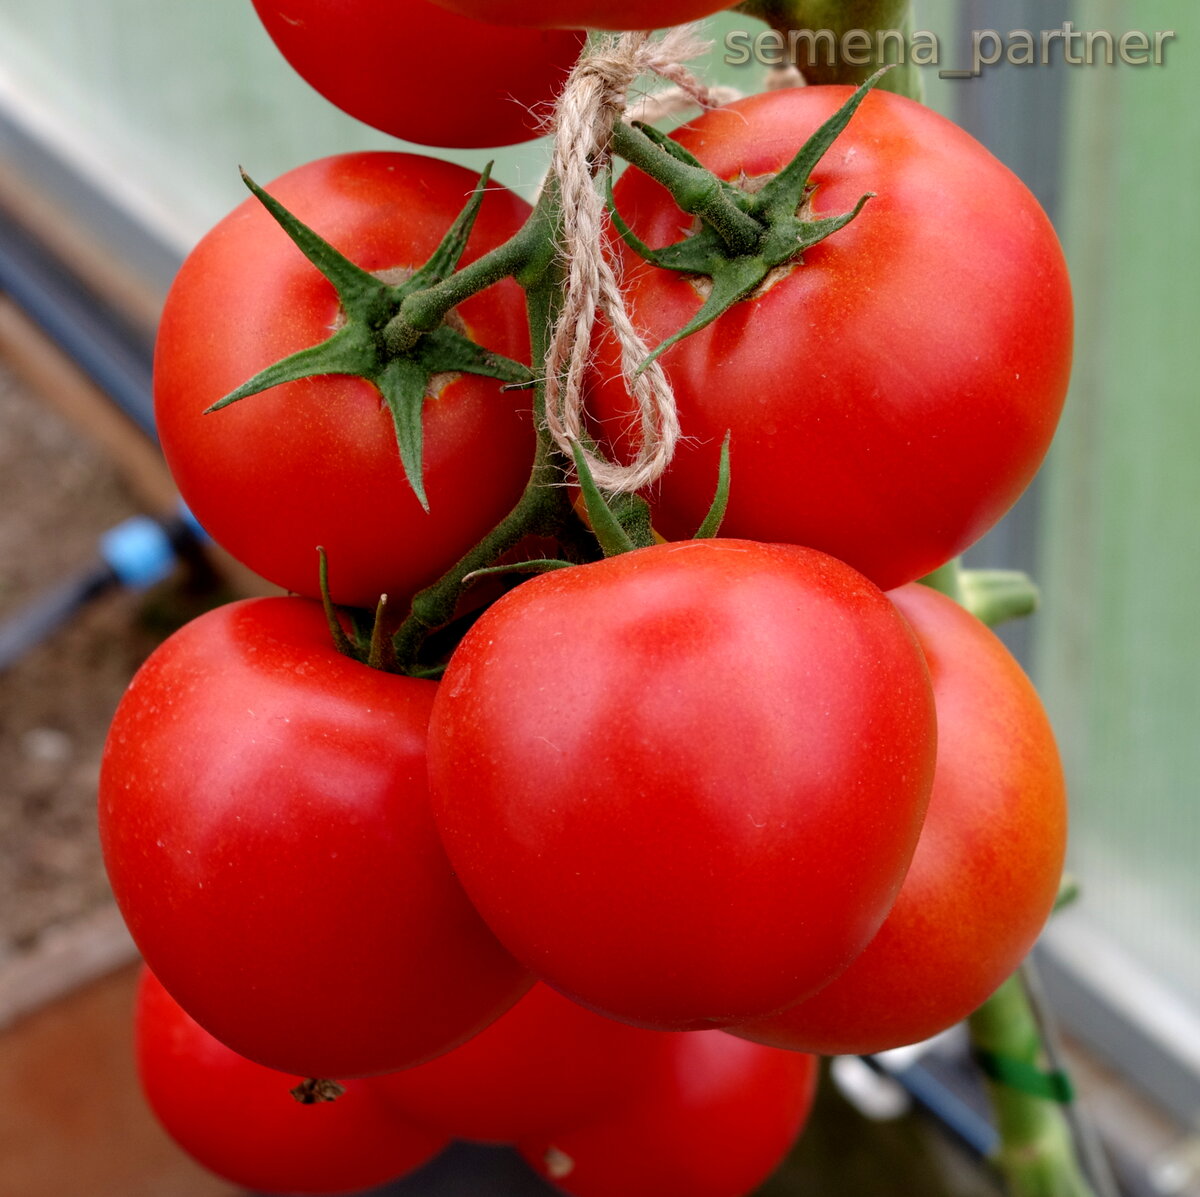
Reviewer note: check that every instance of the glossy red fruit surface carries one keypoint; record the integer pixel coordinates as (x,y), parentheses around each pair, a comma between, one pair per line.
(239,1119)
(987,867)
(716,1122)
(890,395)
(264,815)
(685,781)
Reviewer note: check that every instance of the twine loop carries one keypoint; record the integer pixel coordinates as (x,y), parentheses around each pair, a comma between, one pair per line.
(593,101)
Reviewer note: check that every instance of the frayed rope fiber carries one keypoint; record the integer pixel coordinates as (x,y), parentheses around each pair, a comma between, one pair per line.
(593,101)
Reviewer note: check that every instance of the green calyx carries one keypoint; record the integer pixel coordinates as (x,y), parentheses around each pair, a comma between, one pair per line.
(721,250)
(375,343)
(367,640)
(619,522)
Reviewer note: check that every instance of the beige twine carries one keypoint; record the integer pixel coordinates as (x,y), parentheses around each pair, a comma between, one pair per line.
(592,102)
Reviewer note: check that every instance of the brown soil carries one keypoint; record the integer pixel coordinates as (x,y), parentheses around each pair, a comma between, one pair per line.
(58,493)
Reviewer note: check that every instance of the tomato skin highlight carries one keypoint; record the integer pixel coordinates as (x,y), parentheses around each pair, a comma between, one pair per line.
(713,1123)
(685,781)
(987,867)
(586,14)
(315,462)
(265,823)
(891,397)
(239,1120)
(546,1065)
(412,69)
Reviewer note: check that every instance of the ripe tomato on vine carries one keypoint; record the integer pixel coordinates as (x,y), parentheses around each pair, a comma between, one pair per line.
(714,1121)
(265,821)
(890,392)
(314,462)
(671,786)
(686,781)
(239,1120)
(987,867)
(423,73)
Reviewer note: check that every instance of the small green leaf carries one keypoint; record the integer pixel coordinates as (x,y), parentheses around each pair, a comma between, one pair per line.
(815,231)
(538,565)
(444,260)
(341,641)
(382,653)
(403,383)
(716,513)
(734,279)
(346,277)
(701,253)
(344,353)
(607,529)
(447,351)
(782,195)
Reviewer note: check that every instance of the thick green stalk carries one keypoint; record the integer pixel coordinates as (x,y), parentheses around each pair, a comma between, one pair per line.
(1040,1146)
(836,18)
(544,508)
(696,190)
(947,579)
(424,310)
(1037,1153)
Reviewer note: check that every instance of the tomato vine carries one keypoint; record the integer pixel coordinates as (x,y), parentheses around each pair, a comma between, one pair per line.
(612,786)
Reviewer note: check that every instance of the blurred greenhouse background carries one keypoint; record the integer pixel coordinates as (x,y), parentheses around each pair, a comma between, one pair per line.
(133,117)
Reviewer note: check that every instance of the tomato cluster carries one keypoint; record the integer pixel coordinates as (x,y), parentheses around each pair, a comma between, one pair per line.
(596,1106)
(592,862)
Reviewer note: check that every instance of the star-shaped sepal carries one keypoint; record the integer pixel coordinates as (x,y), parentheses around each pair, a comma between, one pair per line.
(366,344)
(780,208)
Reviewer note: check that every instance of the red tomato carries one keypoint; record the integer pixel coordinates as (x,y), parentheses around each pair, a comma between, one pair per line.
(544,1066)
(315,462)
(421,73)
(238,1119)
(715,1123)
(685,781)
(892,395)
(586,14)
(987,867)
(265,822)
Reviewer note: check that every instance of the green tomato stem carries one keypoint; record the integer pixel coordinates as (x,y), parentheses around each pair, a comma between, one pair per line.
(995,596)
(946,579)
(544,508)
(1041,1140)
(1037,1153)
(423,311)
(696,190)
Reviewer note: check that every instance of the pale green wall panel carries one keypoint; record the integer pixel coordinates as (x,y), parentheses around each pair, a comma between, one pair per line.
(1118,639)
(172,97)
